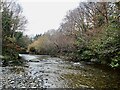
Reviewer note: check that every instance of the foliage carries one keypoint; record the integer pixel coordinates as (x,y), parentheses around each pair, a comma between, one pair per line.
(13,23)
(107,43)
(89,32)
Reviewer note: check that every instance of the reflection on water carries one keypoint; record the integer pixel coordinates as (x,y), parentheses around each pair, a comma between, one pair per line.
(42,71)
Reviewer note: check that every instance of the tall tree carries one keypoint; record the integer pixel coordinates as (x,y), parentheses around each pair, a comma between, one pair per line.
(12,23)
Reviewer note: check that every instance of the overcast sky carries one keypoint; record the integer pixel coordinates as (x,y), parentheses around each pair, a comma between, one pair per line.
(43,15)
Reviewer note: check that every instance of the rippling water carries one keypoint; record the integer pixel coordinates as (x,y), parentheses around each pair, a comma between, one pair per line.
(42,71)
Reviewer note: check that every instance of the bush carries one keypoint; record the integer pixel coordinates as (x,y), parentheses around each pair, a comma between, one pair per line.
(107,45)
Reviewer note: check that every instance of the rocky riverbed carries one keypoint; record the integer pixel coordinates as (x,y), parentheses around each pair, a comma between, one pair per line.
(42,71)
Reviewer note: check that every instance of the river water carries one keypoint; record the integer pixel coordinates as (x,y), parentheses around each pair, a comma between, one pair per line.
(43,71)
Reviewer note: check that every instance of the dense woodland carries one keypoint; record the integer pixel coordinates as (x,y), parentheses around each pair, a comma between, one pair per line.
(90,32)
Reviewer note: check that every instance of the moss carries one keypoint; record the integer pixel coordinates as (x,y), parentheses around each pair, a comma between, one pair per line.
(78,80)
(98,76)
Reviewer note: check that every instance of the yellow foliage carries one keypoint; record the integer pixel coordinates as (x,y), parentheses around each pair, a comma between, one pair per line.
(39,43)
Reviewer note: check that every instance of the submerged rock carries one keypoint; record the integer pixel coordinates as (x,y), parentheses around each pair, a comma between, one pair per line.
(34,60)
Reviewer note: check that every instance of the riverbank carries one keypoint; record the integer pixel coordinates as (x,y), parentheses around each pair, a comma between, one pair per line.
(7,61)
(53,72)
(92,62)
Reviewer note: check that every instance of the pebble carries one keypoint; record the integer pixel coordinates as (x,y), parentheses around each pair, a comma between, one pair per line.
(11,82)
(44,75)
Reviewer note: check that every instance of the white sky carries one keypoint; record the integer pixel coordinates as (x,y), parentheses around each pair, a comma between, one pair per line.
(43,15)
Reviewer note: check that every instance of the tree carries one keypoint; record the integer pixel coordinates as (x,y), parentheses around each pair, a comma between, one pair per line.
(90,31)
(12,23)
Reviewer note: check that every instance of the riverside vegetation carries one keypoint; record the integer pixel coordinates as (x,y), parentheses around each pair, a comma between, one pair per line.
(13,24)
(90,32)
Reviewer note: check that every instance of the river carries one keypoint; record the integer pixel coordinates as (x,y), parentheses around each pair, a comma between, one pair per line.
(43,71)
